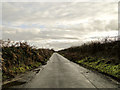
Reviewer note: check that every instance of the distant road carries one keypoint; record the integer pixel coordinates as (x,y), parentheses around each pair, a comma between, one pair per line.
(62,73)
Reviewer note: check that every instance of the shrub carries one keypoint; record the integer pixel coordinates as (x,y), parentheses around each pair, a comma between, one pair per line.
(20,56)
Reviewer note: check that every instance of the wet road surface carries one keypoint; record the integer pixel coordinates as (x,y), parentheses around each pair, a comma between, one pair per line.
(62,73)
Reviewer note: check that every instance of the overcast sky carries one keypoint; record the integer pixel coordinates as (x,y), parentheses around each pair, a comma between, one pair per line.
(59,25)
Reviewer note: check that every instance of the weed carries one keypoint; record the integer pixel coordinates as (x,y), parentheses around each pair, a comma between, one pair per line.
(18,57)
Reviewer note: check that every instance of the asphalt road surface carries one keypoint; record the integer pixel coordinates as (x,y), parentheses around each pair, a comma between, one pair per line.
(62,73)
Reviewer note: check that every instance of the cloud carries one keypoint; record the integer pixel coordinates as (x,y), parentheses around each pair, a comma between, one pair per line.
(62,23)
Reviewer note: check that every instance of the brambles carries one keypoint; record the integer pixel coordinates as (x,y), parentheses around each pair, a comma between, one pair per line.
(102,56)
(20,56)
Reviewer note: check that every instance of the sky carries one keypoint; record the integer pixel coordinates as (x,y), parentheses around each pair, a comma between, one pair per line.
(58,25)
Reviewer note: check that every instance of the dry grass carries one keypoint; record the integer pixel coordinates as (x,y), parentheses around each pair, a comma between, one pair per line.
(92,54)
(19,57)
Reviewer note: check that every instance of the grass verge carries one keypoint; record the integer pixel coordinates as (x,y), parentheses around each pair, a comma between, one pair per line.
(19,57)
(101,66)
(102,56)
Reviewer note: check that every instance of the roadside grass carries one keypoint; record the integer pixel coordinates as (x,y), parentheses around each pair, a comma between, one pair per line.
(18,70)
(102,56)
(19,57)
(102,66)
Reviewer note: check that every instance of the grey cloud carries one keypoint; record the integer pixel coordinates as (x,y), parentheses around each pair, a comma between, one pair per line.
(112,25)
(61,21)
(54,11)
(28,34)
